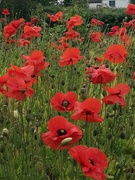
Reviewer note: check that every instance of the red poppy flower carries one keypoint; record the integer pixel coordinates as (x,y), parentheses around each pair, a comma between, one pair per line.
(70,56)
(9,31)
(36,59)
(133,76)
(25,72)
(56,17)
(61,130)
(92,161)
(74,21)
(16,24)
(34,20)
(100,75)
(96,36)
(31,31)
(99,59)
(5,12)
(88,110)
(116,53)
(2,19)
(64,102)
(130,9)
(18,89)
(72,34)
(96,22)
(23,42)
(3,81)
(116,94)
(128,24)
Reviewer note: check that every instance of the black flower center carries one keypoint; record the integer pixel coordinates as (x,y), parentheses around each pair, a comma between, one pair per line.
(61,132)
(91,162)
(65,103)
(88,113)
(118,93)
(23,90)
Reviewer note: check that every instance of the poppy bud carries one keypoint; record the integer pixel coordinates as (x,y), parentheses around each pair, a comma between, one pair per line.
(5,132)
(66,141)
(16,114)
(62,82)
(82,90)
(52,76)
(122,135)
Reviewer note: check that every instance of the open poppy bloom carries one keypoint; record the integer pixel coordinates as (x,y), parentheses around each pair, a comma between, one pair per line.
(25,72)
(23,42)
(96,36)
(31,32)
(36,59)
(116,94)
(70,56)
(62,134)
(92,161)
(130,9)
(74,21)
(5,12)
(64,102)
(18,89)
(72,34)
(56,17)
(88,110)
(100,75)
(96,22)
(116,53)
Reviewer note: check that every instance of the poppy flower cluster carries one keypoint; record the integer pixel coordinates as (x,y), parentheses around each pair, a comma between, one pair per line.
(17,82)
(30,31)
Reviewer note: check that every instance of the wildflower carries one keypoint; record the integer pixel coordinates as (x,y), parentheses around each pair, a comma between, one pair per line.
(72,34)
(96,22)
(31,31)
(96,36)
(18,88)
(70,56)
(116,53)
(116,94)
(5,12)
(100,75)
(130,9)
(25,72)
(74,21)
(56,17)
(36,59)
(64,102)
(23,42)
(92,161)
(59,130)
(88,110)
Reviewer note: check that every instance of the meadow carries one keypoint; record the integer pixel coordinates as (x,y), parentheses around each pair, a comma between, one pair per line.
(67,98)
